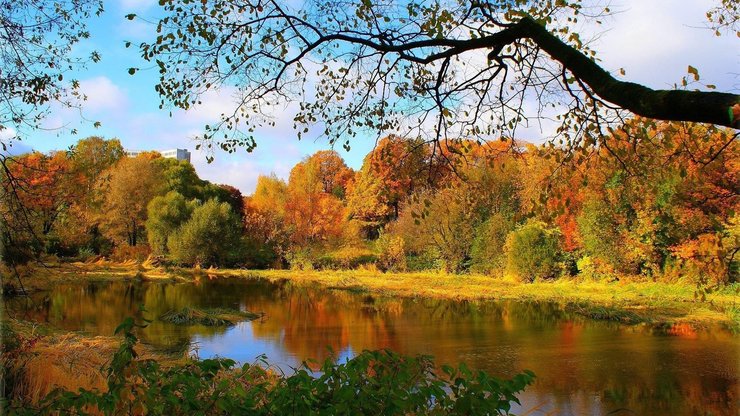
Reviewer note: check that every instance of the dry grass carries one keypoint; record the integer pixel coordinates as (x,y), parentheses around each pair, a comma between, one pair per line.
(70,361)
(52,270)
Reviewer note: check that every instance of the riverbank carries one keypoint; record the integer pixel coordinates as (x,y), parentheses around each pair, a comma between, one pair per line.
(663,305)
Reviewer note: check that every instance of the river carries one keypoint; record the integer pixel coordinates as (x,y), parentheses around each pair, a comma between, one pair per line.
(583,367)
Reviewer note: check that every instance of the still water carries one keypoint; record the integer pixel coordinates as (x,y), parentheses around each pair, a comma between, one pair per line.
(582,366)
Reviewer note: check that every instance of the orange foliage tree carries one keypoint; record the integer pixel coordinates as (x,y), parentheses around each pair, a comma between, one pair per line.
(314,215)
(46,187)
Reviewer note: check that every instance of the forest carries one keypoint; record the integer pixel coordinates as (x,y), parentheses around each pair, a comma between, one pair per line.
(658,203)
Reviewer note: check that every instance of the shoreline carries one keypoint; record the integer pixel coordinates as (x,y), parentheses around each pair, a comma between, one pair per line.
(662,305)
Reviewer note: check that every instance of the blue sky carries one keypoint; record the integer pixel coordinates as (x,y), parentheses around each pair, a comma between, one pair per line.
(653,40)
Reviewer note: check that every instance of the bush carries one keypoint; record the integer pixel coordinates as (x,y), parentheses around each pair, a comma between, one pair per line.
(85,254)
(590,269)
(426,260)
(374,382)
(57,247)
(211,237)
(533,252)
(345,258)
(300,259)
(165,214)
(259,255)
(392,254)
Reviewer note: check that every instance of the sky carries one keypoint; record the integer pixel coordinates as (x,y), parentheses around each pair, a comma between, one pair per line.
(653,40)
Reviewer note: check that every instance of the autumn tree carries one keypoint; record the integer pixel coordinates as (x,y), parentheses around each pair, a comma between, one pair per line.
(390,173)
(433,69)
(459,220)
(313,215)
(38,195)
(133,183)
(657,187)
(89,161)
(94,155)
(332,172)
(264,220)
(47,187)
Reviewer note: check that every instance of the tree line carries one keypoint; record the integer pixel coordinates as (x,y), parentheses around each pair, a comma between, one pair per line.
(656,199)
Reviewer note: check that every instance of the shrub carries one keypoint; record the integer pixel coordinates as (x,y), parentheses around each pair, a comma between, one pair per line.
(392,253)
(300,259)
(85,253)
(426,260)
(349,257)
(259,255)
(533,252)
(164,215)
(211,237)
(589,269)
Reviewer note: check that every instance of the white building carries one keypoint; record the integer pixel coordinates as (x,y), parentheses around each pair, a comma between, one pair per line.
(179,154)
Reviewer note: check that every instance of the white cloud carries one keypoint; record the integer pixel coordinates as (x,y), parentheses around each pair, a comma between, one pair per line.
(136,30)
(655,41)
(136,5)
(103,95)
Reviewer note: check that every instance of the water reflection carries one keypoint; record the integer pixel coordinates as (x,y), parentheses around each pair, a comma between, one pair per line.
(583,367)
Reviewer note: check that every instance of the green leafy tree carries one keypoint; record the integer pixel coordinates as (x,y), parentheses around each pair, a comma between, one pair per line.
(93,156)
(165,214)
(180,176)
(228,194)
(211,237)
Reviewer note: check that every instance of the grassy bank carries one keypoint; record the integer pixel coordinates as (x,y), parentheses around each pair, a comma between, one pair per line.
(660,304)
(628,302)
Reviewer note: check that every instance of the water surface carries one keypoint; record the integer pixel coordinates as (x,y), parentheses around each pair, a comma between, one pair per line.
(582,366)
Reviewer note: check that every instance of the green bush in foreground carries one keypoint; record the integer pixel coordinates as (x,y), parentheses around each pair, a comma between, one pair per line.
(374,382)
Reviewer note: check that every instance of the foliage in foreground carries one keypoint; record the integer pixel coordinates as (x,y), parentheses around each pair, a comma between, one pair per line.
(374,382)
